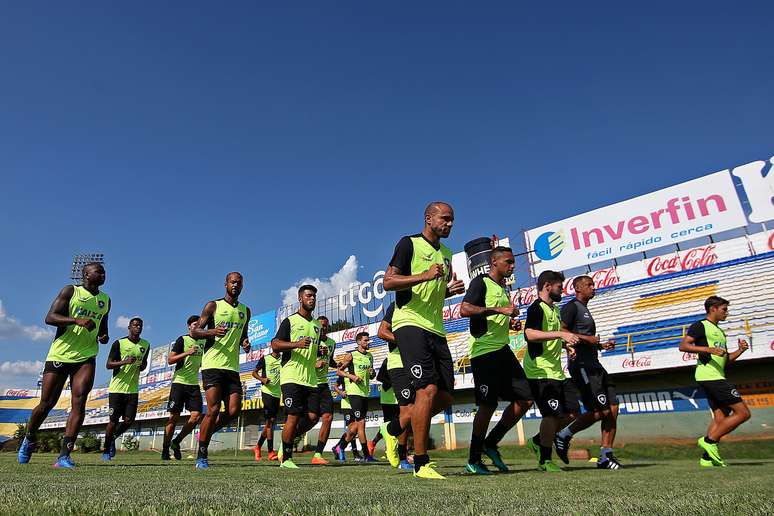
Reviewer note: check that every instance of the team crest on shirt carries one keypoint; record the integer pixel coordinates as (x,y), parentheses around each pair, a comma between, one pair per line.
(735,393)
(57,364)
(110,412)
(316,330)
(484,389)
(602,399)
(405,393)
(101,303)
(241,315)
(416,370)
(171,404)
(554,404)
(357,413)
(288,402)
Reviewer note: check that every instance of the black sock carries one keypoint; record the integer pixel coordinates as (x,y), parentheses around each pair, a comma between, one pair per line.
(176,439)
(394,428)
(287,451)
(536,438)
(202,452)
(270,444)
(476,446)
(706,456)
(32,437)
(402,451)
(709,441)
(320,447)
(354,445)
(420,460)
(108,442)
(545,453)
(496,435)
(261,440)
(342,442)
(67,446)
(377,437)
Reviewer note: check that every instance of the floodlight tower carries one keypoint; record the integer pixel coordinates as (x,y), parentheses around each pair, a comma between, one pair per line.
(79,261)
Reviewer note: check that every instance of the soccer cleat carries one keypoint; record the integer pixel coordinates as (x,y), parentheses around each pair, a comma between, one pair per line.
(257,451)
(25,451)
(273,456)
(202,463)
(562,445)
(371,447)
(112,449)
(497,459)
(535,447)
(391,446)
(165,455)
(280,453)
(712,451)
(369,458)
(404,464)
(339,454)
(64,463)
(358,457)
(550,467)
(288,464)
(106,457)
(477,469)
(318,460)
(704,463)
(428,471)
(608,462)
(175,447)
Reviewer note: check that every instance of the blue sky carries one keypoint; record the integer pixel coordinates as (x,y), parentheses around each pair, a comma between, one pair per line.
(186,140)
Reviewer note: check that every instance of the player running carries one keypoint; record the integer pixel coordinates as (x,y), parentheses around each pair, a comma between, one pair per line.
(420,274)
(387,400)
(223,323)
(186,356)
(349,426)
(127,358)
(596,388)
(267,371)
(708,341)
(79,313)
(297,339)
(553,394)
(321,400)
(496,372)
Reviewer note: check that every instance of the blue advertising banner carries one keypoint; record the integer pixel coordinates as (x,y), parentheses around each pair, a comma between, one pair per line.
(261,329)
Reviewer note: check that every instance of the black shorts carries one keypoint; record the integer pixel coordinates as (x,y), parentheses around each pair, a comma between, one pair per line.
(359,407)
(555,397)
(271,405)
(390,411)
(228,381)
(122,406)
(67,368)
(296,398)
(320,400)
(499,376)
(720,393)
(596,388)
(182,395)
(426,357)
(402,386)
(348,417)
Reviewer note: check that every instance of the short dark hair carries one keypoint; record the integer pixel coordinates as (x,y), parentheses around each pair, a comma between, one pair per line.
(714,301)
(323,318)
(578,279)
(302,288)
(361,335)
(92,265)
(135,319)
(193,318)
(497,251)
(433,206)
(549,277)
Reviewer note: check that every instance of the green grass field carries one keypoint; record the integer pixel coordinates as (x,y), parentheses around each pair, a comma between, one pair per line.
(138,483)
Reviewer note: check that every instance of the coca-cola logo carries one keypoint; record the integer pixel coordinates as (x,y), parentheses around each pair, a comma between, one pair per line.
(636,363)
(451,312)
(602,278)
(17,392)
(691,259)
(349,334)
(524,296)
(771,241)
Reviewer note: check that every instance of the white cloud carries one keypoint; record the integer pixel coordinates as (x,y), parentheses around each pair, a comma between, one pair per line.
(342,279)
(10,328)
(122,322)
(21,367)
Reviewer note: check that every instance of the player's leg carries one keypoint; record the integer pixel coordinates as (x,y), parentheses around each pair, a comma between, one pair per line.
(51,390)
(325,409)
(169,431)
(81,382)
(213,397)
(607,459)
(729,411)
(727,424)
(129,414)
(296,398)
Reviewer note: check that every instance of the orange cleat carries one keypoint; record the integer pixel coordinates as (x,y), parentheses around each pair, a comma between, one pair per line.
(371,448)
(257,451)
(272,455)
(319,460)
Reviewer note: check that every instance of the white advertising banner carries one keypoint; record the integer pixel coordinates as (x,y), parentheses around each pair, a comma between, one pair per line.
(682,212)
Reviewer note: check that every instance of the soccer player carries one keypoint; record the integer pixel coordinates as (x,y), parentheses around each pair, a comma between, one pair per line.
(80,316)
(708,341)
(349,425)
(267,371)
(596,388)
(321,401)
(357,378)
(497,373)
(223,323)
(421,276)
(387,400)
(128,356)
(297,339)
(396,450)
(553,394)
(186,356)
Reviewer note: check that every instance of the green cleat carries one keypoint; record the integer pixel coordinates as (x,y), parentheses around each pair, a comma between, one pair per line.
(391,445)
(477,469)
(712,451)
(496,458)
(704,463)
(550,467)
(289,464)
(535,447)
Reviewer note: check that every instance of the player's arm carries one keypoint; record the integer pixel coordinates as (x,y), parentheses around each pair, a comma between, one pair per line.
(383,376)
(695,335)
(144,363)
(59,313)
(259,373)
(385,327)
(568,315)
(395,277)
(456,286)
(474,302)
(743,346)
(176,354)
(281,341)
(114,357)
(340,388)
(200,330)
(245,341)
(534,324)
(103,335)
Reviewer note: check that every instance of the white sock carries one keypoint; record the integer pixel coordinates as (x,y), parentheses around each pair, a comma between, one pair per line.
(565,432)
